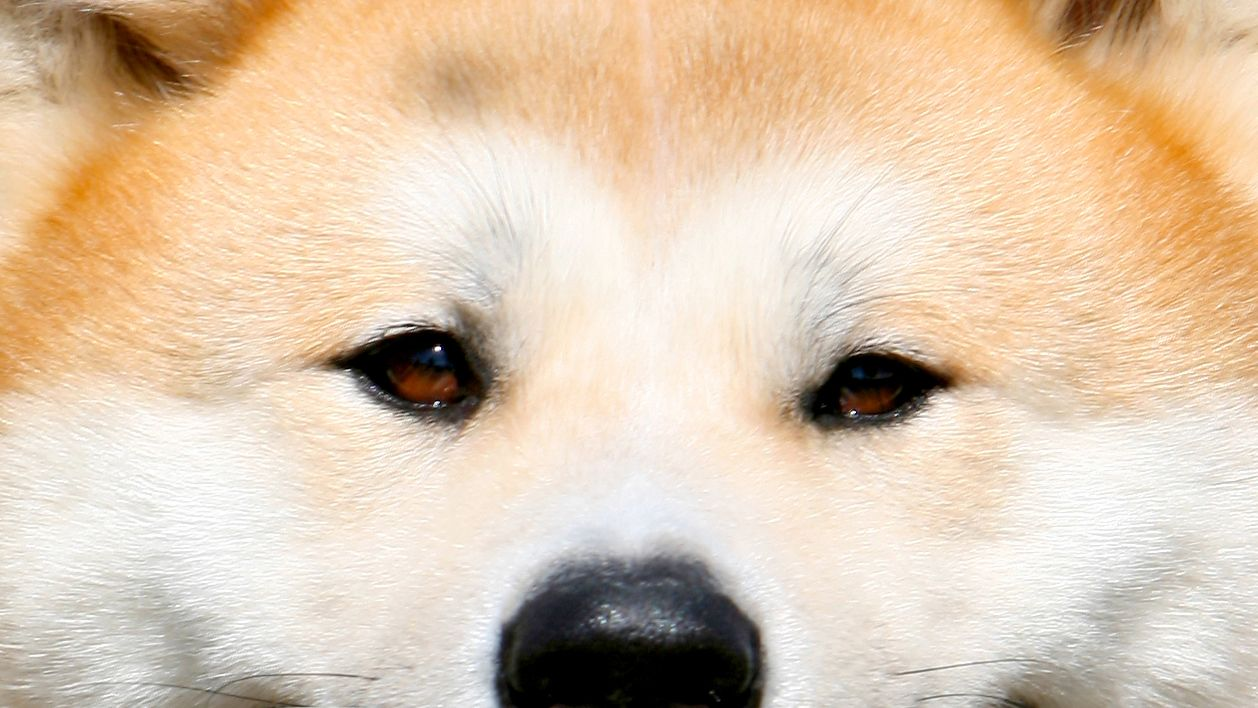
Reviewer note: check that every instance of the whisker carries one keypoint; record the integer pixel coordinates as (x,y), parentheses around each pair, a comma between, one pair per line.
(965,664)
(999,700)
(820,256)
(196,689)
(825,246)
(1238,481)
(841,308)
(296,674)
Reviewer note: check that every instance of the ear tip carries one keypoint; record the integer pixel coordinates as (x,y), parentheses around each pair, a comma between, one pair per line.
(162,46)
(1082,18)
(1151,25)
(1073,21)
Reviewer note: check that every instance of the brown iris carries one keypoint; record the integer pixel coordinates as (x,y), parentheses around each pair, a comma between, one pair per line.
(870,388)
(424,383)
(423,369)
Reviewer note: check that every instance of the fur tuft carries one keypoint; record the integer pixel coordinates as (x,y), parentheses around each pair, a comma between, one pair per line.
(1149,25)
(73,71)
(1193,61)
(155,46)
(1079,19)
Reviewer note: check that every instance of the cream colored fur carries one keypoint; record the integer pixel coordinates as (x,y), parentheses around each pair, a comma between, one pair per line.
(74,74)
(663,225)
(1195,59)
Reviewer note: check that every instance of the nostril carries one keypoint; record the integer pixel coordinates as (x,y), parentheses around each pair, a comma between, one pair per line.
(624,635)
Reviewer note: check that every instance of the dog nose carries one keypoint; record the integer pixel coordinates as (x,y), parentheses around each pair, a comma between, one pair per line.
(615,634)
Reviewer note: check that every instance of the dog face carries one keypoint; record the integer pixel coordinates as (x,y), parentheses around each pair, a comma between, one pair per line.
(751,354)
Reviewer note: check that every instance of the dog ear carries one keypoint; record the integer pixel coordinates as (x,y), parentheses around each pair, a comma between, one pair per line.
(1072,22)
(72,72)
(1193,62)
(1144,27)
(154,47)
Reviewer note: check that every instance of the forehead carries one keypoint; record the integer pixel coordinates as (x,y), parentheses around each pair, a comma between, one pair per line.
(427,152)
(654,94)
(665,94)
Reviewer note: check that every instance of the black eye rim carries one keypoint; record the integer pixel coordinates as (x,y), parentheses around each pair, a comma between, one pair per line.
(920,383)
(365,364)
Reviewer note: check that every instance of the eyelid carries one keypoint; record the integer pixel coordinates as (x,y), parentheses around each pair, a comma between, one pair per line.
(369,364)
(897,348)
(378,336)
(918,382)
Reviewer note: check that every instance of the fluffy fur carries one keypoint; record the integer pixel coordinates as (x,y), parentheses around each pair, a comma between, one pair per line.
(662,226)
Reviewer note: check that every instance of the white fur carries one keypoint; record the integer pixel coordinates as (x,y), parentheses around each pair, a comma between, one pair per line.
(294,540)
(176,541)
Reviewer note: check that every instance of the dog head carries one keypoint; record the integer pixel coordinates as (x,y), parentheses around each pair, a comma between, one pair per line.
(747,354)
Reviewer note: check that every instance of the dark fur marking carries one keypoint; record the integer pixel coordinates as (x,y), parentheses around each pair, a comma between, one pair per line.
(1084,18)
(140,59)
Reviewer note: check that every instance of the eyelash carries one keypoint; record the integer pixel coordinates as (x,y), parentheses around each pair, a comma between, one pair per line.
(427,371)
(871,388)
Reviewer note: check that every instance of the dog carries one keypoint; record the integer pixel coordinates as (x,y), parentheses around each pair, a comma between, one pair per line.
(722,353)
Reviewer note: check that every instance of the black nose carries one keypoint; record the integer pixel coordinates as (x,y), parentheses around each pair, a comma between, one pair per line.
(610,634)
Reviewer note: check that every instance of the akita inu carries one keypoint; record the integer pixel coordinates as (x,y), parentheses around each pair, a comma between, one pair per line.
(723,353)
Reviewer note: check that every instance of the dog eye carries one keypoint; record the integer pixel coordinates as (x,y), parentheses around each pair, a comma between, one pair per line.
(870,388)
(424,370)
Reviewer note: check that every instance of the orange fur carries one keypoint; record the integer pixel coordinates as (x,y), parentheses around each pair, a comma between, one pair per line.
(666,222)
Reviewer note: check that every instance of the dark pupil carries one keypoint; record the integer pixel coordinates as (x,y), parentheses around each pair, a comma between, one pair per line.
(869,388)
(872,375)
(426,372)
(422,370)
(433,357)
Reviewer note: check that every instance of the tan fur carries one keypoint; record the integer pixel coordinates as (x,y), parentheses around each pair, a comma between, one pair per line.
(1057,214)
(1193,59)
(74,73)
